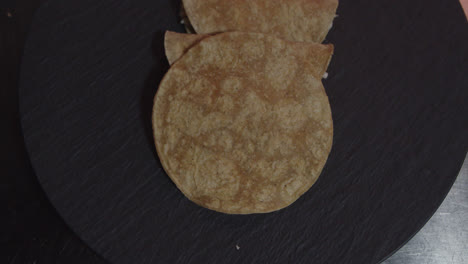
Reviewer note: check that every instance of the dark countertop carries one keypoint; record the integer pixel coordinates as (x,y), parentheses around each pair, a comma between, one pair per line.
(32,232)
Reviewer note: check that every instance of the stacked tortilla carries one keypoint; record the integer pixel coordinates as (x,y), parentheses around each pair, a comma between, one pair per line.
(241,120)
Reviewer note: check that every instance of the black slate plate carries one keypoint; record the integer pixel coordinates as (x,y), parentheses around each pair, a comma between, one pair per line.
(398,89)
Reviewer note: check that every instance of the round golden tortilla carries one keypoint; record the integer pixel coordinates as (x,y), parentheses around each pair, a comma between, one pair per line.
(241,125)
(297,20)
(176,44)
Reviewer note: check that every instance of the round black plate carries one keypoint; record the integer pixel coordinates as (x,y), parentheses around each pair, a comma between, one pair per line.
(398,90)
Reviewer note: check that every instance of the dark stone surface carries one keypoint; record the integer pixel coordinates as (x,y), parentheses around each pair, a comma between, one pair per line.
(31,231)
(397,87)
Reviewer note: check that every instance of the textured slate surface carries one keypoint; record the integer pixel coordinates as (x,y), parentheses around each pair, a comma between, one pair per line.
(397,87)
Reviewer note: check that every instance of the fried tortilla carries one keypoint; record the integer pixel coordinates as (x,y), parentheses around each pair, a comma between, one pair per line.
(240,123)
(177,44)
(185,21)
(296,20)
